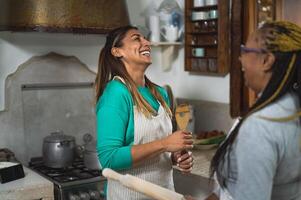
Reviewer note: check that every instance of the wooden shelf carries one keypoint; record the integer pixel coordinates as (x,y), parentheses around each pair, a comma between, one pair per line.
(203,20)
(207,73)
(204,8)
(168,51)
(203,45)
(165,43)
(203,33)
(203,57)
(212,36)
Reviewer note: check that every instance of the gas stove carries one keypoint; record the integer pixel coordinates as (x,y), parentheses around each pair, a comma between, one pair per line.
(75,182)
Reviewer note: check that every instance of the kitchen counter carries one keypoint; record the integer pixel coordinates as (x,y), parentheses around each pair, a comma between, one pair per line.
(32,186)
(202,159)
(201,163)
(197,182)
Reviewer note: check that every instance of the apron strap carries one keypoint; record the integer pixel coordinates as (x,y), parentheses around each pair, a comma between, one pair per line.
(120,79)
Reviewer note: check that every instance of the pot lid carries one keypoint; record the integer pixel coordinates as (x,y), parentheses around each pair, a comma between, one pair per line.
(58,137)
(91,146)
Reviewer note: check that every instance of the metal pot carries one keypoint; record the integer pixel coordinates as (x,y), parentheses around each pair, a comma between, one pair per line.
(90,153)
(91,157)
(58,150)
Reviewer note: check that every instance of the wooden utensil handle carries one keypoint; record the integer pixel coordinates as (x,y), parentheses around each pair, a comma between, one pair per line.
(152,190)
(111,174)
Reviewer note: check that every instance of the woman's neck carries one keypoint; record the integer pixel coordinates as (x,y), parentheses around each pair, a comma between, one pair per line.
(138,78)
(137,74)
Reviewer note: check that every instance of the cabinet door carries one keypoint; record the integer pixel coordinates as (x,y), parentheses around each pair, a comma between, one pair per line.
(207,37)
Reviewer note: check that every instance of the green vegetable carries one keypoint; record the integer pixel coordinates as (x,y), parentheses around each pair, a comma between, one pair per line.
(212,140)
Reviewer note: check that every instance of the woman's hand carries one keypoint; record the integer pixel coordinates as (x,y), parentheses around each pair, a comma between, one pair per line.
(212,197)
(188,197)
(179,140)
(183,160)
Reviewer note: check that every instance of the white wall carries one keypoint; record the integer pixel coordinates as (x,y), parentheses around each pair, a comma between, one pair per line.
(16,48)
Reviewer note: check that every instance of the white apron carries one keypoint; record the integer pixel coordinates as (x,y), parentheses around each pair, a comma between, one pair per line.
(157,170)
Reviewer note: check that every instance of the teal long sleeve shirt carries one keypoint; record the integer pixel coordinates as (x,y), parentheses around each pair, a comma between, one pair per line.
(115,123)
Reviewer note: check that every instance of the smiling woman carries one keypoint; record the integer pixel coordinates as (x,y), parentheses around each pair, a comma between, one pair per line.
(256,74)
(133,117)
(136,53)
(272,169)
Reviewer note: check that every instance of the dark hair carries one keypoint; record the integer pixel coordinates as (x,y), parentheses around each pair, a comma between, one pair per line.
(286,77)
(110,66)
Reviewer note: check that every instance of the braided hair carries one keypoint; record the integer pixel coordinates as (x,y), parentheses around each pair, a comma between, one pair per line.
(283,39)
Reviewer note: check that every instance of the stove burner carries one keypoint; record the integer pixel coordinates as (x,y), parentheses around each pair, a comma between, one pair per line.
(53,174)
(77,171)
(85,175)
(66,178)
(73,182)
(72,178)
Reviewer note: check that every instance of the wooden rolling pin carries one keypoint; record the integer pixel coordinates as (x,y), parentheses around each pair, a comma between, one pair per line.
(152,190)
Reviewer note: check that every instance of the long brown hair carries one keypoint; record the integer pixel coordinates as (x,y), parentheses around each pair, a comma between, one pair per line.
(110,66)
(283,39)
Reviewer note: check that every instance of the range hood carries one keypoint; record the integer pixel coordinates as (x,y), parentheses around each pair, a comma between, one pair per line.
(67,16)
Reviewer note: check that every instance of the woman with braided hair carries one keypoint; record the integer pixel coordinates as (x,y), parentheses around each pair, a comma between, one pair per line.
(261,157)
(134,131)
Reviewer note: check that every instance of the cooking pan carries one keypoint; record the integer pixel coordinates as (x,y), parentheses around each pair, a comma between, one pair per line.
(58,150)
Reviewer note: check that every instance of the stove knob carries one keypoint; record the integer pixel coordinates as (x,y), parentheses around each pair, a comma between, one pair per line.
(95,195)
(84,196)
(73,197)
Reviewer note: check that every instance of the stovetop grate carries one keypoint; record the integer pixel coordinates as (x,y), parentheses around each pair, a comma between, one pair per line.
(77,171)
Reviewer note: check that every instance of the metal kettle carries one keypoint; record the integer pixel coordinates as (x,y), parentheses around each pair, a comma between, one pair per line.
(90,153)
(58,150)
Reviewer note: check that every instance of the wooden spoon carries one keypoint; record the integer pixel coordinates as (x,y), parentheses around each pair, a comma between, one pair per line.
(182,116)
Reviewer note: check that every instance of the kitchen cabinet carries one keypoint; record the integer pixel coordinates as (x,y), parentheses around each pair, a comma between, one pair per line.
(246,16)
(207,38)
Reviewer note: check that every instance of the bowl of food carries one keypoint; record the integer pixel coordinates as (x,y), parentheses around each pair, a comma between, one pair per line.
(208,139)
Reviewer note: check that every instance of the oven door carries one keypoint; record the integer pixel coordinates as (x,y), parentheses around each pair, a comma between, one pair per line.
(93,191)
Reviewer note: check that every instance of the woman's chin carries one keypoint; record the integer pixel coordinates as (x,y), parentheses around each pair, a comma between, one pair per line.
(148,62)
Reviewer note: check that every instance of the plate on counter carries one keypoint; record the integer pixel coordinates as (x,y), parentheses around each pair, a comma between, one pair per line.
(204,146)
(209,141)
(206,140)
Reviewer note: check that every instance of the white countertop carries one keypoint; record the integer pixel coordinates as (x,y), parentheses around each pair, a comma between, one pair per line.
(32,186)
(202,159)
(201,163)
(197,182)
